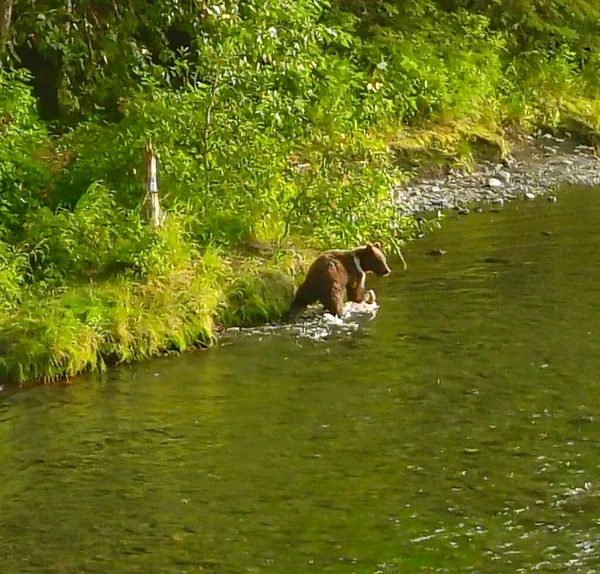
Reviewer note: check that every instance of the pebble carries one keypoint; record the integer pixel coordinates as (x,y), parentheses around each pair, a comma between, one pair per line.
(494,182)
(438,252)
(504,175)
(529,195)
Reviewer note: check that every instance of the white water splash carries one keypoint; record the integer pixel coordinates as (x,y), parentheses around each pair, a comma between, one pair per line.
(317,325)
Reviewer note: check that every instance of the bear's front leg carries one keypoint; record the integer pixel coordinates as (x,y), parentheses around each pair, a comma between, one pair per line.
(370,297)
(356,290)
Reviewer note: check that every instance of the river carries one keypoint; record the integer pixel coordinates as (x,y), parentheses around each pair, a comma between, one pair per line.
(458,431)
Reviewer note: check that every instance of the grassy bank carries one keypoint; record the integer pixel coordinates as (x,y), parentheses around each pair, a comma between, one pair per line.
(280,129)
(96,324)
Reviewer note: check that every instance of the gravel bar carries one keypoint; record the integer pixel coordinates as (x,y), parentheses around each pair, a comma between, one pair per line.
(540,167)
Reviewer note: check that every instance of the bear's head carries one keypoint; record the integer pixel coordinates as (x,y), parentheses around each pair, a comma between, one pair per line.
(371,258)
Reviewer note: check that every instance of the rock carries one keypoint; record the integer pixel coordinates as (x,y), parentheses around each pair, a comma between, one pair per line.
(529,195)
(501,260)
(257,246)
(546,232)
(463,211)
(504,175)
(552,199)
(498,201)
(494,182)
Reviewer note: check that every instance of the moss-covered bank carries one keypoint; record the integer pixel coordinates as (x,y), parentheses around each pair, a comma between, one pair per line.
(96,324)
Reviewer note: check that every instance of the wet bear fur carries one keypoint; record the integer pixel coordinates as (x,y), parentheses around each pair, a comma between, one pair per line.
(337,273)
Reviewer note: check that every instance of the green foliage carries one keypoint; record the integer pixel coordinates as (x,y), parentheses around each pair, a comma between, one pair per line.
(24,175)
(13,267)
(98,238)
(261,290)
(90,326)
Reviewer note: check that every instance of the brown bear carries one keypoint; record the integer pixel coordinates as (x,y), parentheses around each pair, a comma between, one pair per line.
(336,272)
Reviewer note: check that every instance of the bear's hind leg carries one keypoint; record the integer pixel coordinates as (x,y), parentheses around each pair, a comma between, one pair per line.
(303,298)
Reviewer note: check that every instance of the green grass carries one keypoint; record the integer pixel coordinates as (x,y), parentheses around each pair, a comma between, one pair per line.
(121,320)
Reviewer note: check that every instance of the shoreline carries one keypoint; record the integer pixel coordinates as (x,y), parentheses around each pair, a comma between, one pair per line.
(540,165)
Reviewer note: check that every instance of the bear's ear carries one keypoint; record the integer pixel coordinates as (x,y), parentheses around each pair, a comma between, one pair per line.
(378,244)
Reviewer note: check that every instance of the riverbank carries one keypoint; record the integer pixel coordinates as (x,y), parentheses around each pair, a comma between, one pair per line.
(123,320)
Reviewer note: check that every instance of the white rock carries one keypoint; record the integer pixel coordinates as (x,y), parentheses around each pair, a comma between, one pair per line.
(529,195)
(494,182)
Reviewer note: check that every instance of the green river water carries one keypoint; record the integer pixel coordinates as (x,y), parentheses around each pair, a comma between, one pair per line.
(458,431)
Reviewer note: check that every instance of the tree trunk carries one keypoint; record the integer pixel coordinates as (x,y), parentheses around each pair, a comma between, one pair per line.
(154,213)
(5,15)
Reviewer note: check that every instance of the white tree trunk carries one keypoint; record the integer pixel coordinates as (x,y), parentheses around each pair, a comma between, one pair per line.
(154,213)
(5,16)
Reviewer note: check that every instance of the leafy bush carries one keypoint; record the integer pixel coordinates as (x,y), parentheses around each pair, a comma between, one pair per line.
(13,269)
(25,175)
(99,238)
